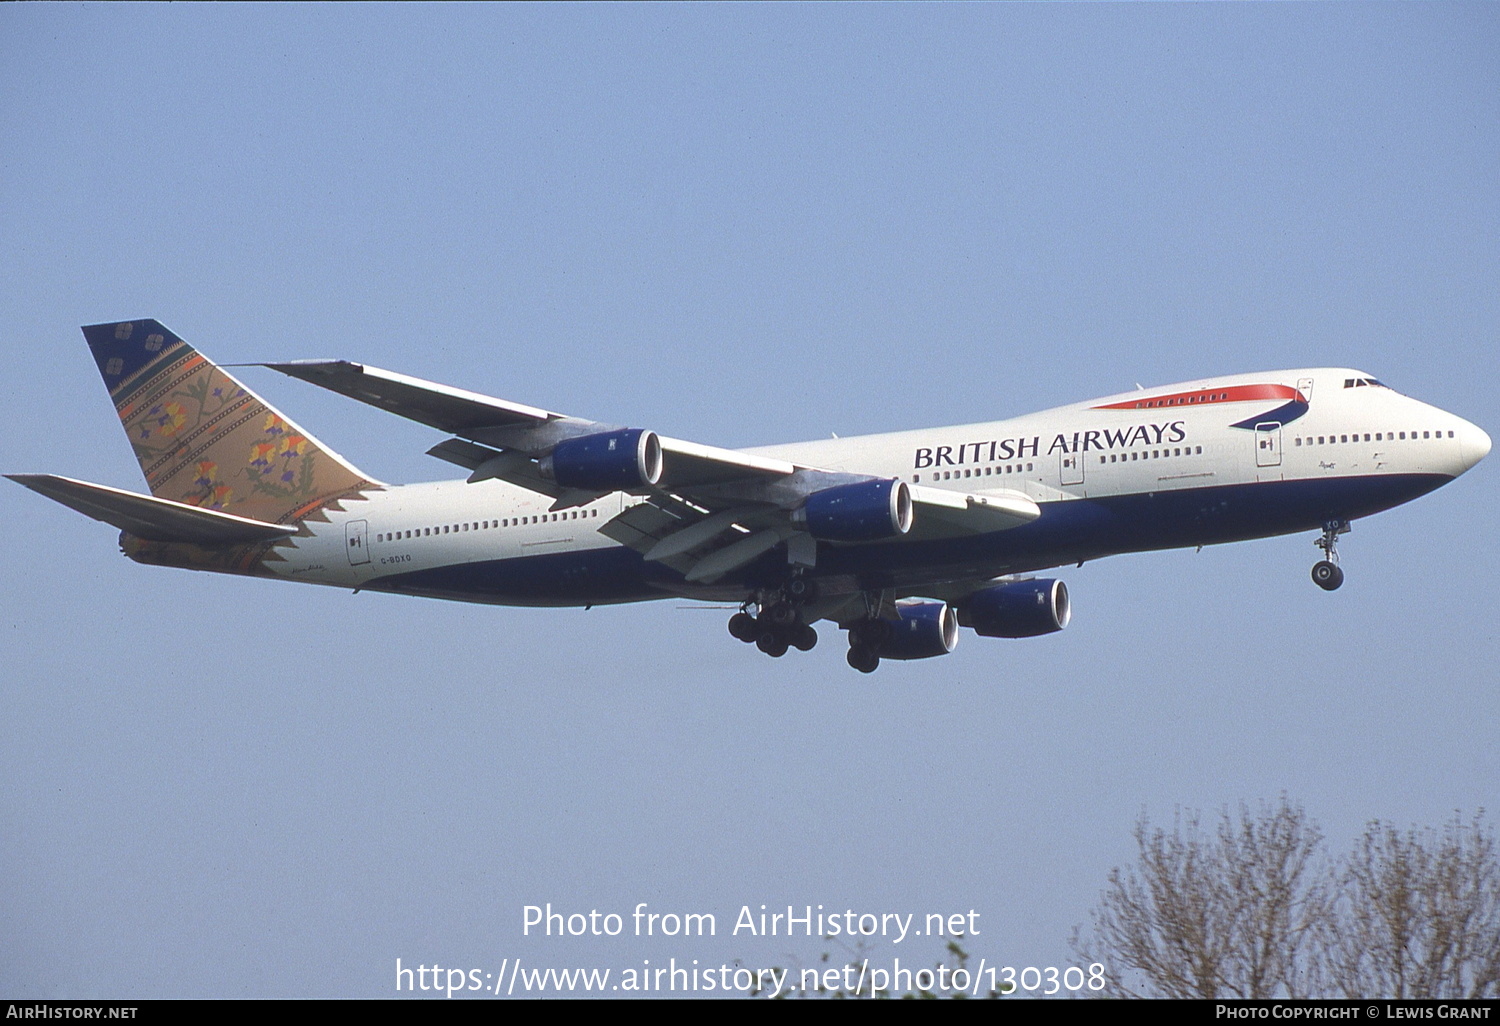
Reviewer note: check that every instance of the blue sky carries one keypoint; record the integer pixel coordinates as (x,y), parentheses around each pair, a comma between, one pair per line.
(742,225)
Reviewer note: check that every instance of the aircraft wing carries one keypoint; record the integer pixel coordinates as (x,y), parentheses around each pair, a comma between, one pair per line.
(946,514)
(448,409)
(709,512)
(146,516)
(502,424)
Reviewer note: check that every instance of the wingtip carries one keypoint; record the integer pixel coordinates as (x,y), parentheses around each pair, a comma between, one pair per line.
(307,368)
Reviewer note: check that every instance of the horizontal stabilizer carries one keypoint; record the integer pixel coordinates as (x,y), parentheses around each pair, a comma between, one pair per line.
(154,519)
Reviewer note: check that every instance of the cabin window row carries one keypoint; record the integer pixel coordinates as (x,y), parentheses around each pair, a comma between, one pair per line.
(1380,436)
(1151,454)
(1183,400)
(999,471)
(487,525)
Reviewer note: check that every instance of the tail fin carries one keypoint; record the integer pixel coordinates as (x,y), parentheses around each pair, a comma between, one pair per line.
(204,439)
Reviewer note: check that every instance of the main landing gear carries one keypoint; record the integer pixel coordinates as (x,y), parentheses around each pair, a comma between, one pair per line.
(779,625)
(1326,573)
(865,640)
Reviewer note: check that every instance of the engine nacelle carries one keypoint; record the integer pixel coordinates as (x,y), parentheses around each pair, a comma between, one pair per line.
(926,629)
(606,462)
(867,511)
(1020,609)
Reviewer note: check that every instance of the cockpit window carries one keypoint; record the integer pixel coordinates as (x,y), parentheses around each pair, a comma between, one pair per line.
(1362,382)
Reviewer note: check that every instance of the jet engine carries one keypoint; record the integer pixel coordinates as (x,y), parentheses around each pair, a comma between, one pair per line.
(1019,609)
(926,629)
(606,462)
(866,511)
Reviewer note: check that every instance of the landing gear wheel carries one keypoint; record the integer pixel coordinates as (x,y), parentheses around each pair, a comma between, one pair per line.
(1327,575)
(863,660)
(801,590)
(782,614)
(804,638)
(772,643)
(742,626)
(870,634)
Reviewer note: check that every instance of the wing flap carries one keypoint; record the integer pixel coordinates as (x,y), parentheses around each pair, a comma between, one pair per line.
(698,534)
(505,465)
(148,517)
(735,555)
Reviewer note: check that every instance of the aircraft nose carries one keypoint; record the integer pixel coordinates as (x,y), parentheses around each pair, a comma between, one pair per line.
(1473,444)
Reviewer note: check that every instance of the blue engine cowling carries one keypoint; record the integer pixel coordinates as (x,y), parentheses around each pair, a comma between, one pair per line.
(1020,609)
(867,511)
(926,629)
(606,462)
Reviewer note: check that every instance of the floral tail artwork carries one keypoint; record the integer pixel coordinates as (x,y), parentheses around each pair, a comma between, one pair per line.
(206,440)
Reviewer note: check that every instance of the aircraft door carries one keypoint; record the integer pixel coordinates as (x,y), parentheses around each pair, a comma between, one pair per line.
(356,541)
(1304,385)
(1072,468)
(1268,444)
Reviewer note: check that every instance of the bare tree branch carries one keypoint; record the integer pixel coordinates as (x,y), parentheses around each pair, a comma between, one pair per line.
(1253,910)
(1419,914)
(1220,915)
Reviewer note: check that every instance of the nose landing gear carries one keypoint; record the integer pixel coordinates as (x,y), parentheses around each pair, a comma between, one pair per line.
(1326,573)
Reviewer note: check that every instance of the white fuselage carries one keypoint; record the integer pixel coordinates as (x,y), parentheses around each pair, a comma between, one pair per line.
(1174,466)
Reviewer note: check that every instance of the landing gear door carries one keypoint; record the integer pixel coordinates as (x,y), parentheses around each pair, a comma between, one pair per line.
(356,541)
(1268,444)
